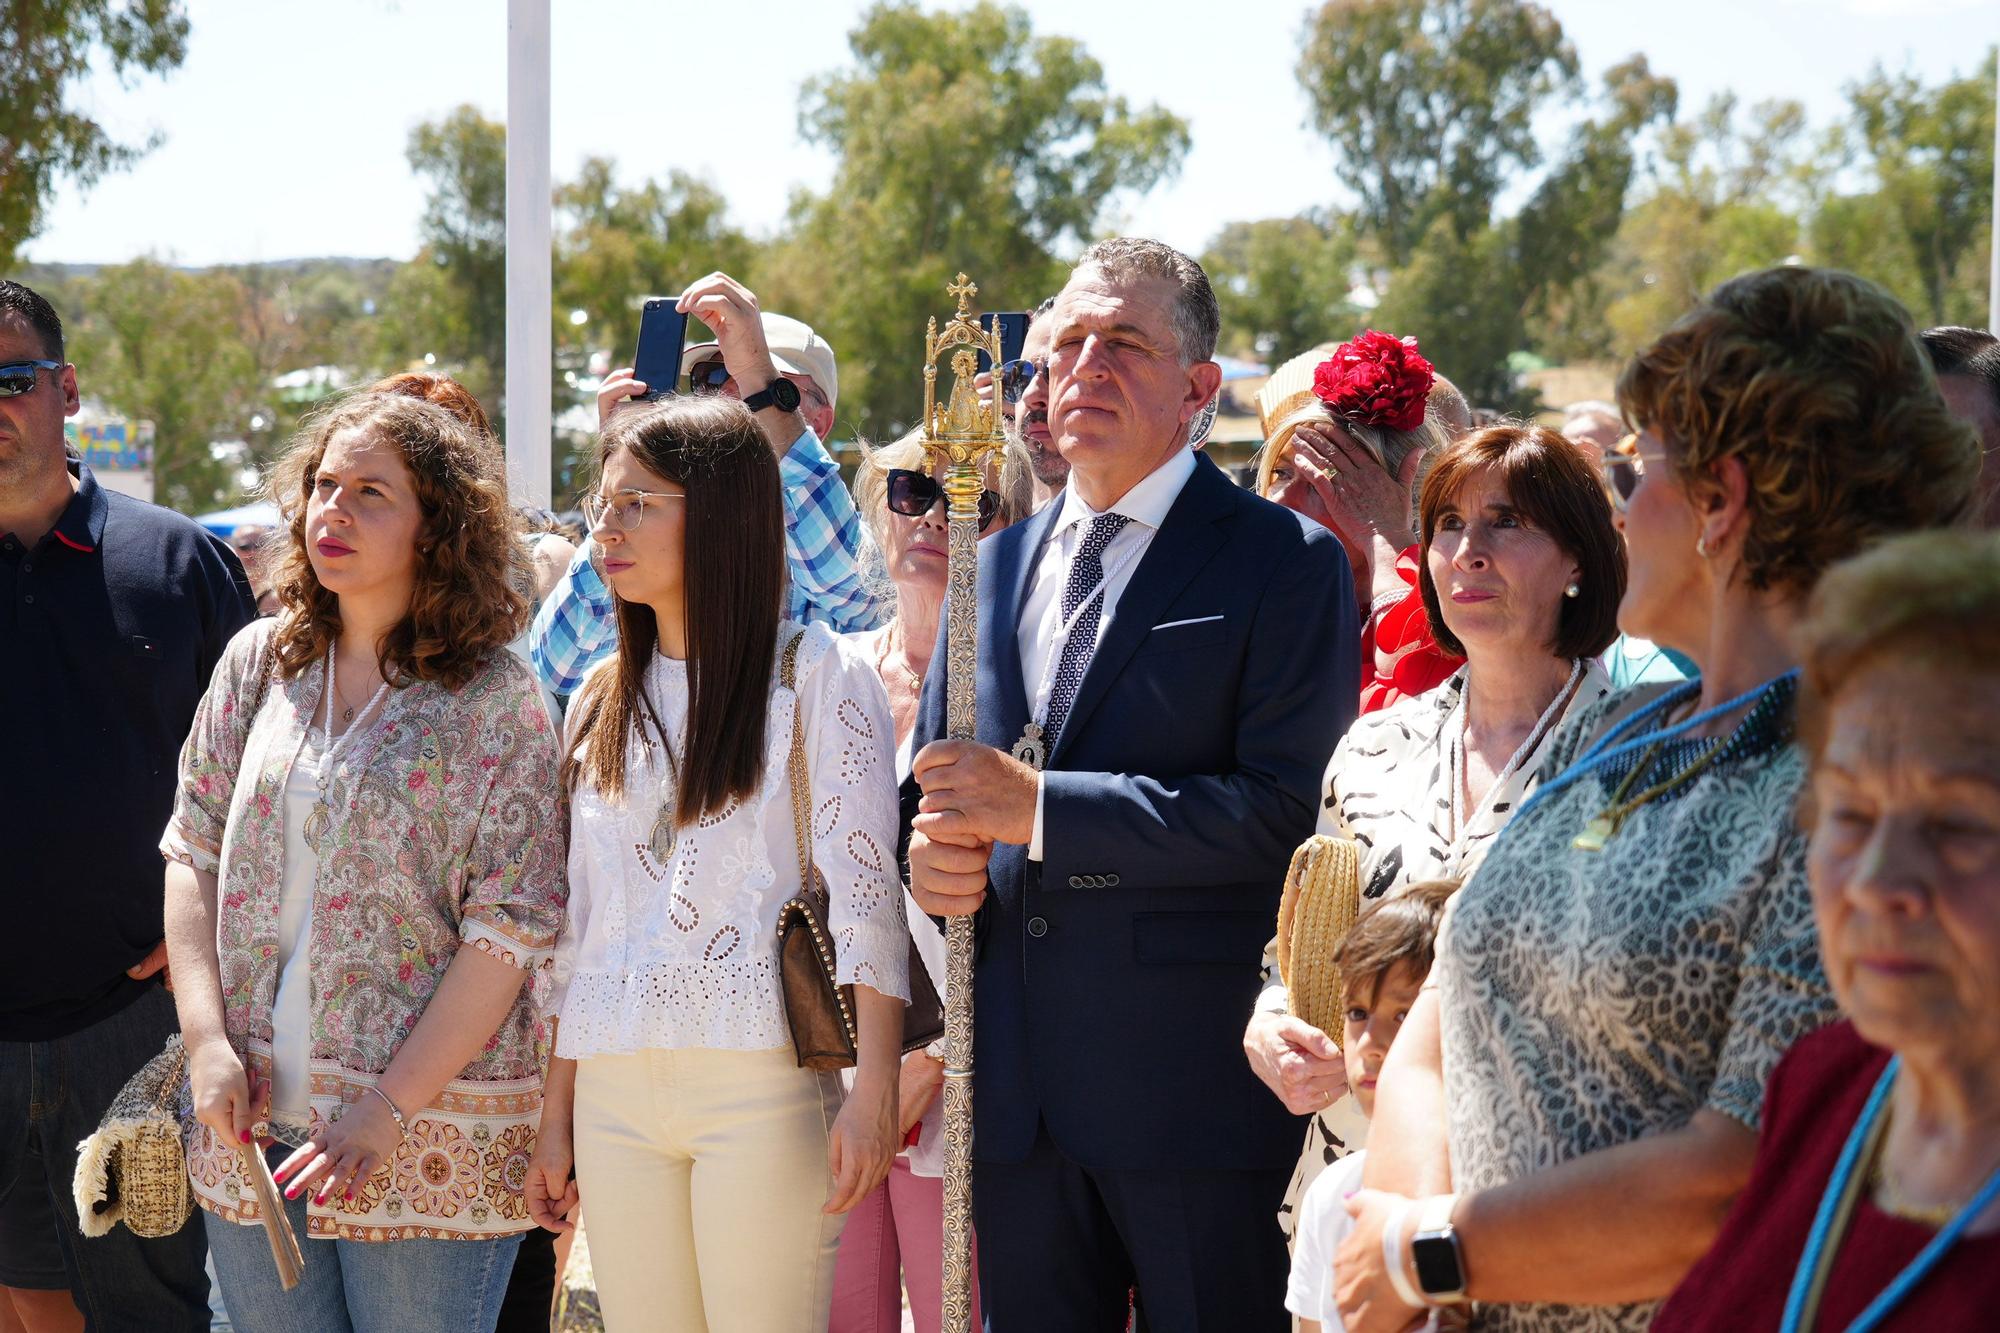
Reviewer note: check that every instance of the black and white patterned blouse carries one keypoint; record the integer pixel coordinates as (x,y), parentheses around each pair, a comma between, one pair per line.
(1588,998)
(1388,787)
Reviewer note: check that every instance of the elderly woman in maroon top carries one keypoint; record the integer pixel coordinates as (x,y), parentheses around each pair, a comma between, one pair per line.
(1886,1127)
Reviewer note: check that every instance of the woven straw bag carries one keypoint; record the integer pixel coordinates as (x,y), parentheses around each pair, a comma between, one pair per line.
(134,1168)
(1321,901)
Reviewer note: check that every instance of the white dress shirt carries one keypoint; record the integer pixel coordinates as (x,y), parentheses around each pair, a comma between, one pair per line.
(1146,504)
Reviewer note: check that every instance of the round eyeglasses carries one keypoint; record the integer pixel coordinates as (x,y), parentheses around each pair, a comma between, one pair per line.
(625,510)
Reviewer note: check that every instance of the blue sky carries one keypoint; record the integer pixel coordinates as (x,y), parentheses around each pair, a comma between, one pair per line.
(284,131)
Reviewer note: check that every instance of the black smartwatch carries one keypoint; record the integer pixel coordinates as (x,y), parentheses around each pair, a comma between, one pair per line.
(1440,1266)
(780,393)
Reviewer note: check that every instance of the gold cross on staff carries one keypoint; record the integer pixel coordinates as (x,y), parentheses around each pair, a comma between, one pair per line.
(964,289)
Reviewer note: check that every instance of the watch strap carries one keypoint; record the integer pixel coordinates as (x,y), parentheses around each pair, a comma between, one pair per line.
(772,396)
(1392,1256)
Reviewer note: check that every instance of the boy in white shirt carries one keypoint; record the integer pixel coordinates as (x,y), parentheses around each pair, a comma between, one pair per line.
(1383,961)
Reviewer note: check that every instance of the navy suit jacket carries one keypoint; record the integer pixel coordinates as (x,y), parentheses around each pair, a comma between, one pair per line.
(1114,978)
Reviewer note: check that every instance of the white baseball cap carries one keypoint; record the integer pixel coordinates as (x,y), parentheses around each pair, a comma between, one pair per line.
(795,349)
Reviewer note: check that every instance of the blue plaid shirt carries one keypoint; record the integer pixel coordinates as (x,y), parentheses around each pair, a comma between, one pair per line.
(575,626)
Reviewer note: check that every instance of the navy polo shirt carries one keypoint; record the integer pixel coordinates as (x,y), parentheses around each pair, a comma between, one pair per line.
(109,629)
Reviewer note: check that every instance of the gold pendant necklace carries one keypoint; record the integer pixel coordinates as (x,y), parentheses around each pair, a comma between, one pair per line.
(882,666)
(1604,826)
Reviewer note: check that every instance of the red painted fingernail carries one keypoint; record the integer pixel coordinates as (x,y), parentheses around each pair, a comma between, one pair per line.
(348,1196)
(292,1193)
(246,1136)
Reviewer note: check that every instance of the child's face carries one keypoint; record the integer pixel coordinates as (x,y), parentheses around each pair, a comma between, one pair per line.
(1372,1023)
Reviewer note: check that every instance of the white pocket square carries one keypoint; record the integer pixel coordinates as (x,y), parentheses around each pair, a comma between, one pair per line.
(1176,624)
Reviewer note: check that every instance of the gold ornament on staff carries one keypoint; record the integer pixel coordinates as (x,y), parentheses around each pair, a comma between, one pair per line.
(962,433)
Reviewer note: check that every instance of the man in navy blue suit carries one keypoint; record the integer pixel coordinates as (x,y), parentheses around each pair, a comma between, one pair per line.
(1165,663)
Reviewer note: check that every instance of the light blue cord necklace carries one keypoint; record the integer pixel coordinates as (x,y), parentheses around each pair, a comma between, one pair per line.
(1836,1205)
(1607,749)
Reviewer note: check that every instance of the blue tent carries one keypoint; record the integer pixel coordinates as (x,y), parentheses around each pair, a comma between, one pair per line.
(225,521)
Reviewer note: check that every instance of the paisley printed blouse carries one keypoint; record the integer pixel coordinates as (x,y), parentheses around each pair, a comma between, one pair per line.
(1388,787)
(449,831)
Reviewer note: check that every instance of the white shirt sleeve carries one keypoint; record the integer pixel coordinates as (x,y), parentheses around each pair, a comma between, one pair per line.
(850,741)
(1323,1224)
(1035,841)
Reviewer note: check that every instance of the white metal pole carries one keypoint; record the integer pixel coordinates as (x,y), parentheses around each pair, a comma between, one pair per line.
(1993,228)
(530,228)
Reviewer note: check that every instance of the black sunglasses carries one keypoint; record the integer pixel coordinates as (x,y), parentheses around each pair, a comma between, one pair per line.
(1016,376)
(18,377)
(912,494)
(708,377)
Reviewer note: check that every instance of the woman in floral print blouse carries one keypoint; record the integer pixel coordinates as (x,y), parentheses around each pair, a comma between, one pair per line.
(365,867)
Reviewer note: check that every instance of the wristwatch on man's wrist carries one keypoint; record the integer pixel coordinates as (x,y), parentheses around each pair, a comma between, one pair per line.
(780,393)
(1436,1254)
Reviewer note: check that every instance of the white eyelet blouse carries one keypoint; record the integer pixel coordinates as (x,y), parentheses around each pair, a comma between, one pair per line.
(683,955)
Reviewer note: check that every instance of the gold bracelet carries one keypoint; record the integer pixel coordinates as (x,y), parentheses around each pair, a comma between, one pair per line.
(401,1123)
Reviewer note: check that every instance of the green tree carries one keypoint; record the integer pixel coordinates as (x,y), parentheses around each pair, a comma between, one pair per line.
(1430,104)
(1728,194)
(1566,227)
(450,302)
(618,245)
(1283,284)
(966,142)
(46,48)
(1462,296)
(163,345)
(1931,152)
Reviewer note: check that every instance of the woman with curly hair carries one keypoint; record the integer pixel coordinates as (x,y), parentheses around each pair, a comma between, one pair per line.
(365,867)
(1575,1097)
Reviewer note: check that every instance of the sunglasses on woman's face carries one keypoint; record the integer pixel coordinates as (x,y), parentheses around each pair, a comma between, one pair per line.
(18,377)
(912,494)
(1622,472)
(1016,376)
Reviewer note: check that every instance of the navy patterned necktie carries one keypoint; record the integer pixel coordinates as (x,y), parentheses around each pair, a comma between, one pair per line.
(1086,572)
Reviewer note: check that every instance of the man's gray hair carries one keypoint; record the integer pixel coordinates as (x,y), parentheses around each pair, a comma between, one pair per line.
(1197,318)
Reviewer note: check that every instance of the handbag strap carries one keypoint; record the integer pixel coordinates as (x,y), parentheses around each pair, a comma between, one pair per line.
(788,676)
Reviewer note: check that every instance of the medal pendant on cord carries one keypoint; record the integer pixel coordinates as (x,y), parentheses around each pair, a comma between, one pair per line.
(1596,834)
(1031,749)
(666,833)
(317,824)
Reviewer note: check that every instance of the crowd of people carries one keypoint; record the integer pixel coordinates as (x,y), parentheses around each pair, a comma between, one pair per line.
(1665,746)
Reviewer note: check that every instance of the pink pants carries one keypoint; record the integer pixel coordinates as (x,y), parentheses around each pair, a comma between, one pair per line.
(896,1232)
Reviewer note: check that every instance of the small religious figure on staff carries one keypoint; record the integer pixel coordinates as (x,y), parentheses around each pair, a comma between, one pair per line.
(961,434)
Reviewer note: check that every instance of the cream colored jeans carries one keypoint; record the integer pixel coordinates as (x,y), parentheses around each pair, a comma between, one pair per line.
(702,1175)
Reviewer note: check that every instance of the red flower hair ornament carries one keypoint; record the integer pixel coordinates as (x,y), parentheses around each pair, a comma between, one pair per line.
(1375,380)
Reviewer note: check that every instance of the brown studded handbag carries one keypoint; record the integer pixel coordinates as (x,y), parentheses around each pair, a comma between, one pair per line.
(819,1011)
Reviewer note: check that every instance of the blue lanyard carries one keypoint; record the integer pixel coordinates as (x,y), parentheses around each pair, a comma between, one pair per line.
(1603,751)
(1823,1222)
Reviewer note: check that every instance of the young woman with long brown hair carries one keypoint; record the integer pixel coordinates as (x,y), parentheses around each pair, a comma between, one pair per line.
(715,1171)
(365,866)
